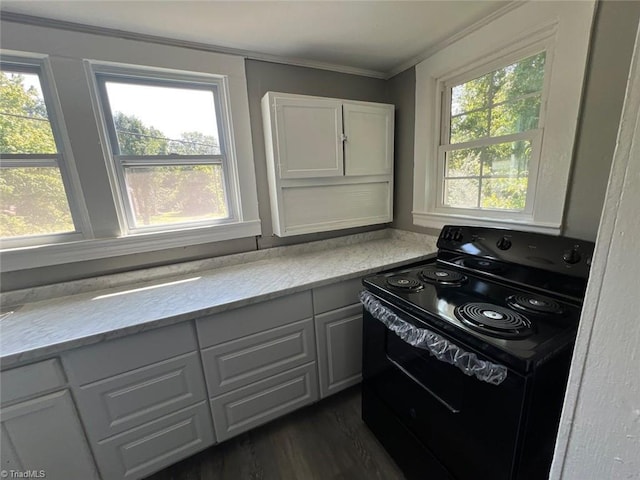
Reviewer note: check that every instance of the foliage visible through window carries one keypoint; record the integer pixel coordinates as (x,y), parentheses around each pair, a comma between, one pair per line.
(489,139)
(166,143)
(32,194)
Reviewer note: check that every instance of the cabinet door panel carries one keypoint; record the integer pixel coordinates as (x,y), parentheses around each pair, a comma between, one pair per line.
(308,134)
(368,149)
(155,445)
(125,401)
(328,207)
(339,337)
(45,434)
(248,359)
(243,409)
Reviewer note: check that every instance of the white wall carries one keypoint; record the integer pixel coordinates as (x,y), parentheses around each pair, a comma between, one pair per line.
(599,434)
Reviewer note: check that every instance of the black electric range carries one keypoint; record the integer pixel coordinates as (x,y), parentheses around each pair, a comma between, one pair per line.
(466,355)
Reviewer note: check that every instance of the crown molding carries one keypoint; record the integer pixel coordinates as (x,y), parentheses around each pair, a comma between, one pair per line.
(454,38)
(142,37)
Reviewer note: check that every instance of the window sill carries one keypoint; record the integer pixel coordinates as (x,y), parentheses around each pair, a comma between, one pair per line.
(437,221)
(56,254)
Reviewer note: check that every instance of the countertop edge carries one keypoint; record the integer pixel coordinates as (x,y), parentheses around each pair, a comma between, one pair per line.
(29,356)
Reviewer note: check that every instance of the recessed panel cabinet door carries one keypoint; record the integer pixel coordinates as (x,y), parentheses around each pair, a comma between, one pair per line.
(368,146)
(308,133)
(44,435)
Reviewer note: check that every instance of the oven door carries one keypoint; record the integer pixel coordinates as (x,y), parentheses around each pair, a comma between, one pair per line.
(468,426)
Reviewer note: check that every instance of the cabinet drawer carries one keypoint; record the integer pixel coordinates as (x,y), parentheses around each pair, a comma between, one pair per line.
(339,337)
(24,382)
(130,399)
(243,361)
(337,295)
(248,407)
(155,445)
(240,322)
(107,359)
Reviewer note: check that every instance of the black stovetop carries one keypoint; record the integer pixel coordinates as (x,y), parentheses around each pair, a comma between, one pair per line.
(435,304)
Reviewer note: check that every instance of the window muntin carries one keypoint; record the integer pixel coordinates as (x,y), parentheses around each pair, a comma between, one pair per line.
(167,141)
(33,188)
(491,129)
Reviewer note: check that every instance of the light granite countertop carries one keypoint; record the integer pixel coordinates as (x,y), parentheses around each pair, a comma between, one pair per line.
(56,318)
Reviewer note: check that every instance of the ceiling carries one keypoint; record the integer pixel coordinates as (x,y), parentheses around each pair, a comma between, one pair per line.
(370,37)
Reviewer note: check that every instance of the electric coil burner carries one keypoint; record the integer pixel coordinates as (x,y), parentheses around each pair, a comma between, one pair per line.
(402,282)
(534,304)
(466,356)
(442,276)
(493,320)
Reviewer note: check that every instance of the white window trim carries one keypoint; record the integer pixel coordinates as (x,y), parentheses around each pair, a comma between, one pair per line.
(115,163)
(76,247)
(63,159)
(564,29)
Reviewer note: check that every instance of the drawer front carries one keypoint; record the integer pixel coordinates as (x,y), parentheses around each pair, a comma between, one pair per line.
(240,322)
(248,407)
(337,295)
(155,445)
(243,361)
(107,359)
(125,401)
(24,382)
(339,337)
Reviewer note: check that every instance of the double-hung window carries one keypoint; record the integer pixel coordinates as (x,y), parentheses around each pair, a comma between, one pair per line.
(496,113)
(36,201)
(168,139)
(491,132)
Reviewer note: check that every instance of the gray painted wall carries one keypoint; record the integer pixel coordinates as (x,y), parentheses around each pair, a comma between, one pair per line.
(612,44)
(606,78)
(610,56)
(261,77)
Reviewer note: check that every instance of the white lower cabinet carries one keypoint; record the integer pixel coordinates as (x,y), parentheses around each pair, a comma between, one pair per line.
(40,429)
(243,409)
(151,399)
(259,362)
(339,336)
(338,323)
(142,399)
(150,447)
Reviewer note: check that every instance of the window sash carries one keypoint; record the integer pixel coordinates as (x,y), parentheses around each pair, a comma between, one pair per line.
(81,227)
(533,136)
(121,162)
(156,80)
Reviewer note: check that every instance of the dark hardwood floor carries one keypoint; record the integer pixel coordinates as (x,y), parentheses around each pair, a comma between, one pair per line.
(326,441)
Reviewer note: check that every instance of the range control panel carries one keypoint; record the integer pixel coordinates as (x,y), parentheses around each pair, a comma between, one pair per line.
(565,255)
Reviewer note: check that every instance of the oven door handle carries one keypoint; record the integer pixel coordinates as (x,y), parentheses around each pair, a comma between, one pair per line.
(440,347)
(427,389)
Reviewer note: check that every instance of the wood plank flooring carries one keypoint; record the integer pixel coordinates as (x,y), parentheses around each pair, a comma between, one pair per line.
(326,441)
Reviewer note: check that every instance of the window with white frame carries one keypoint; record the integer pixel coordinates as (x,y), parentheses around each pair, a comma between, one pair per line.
(490,137)
(168,141)
(496,113)
(37,204)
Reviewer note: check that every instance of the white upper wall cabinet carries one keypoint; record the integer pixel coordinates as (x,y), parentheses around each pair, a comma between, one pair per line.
(308,137)
(330,162)
(368,144)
